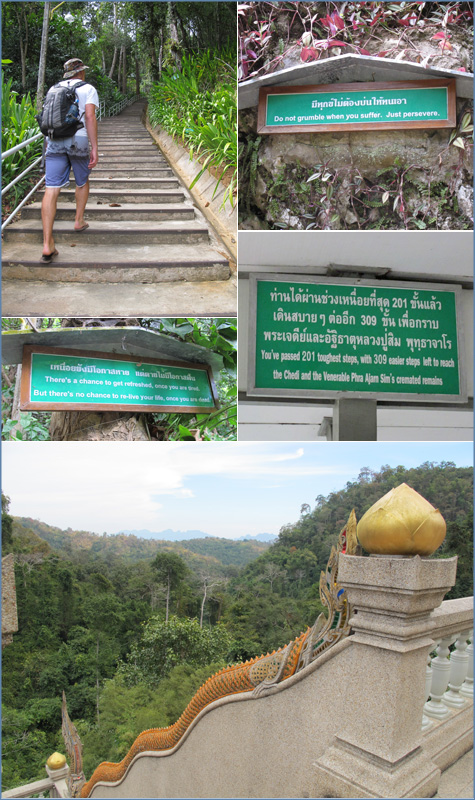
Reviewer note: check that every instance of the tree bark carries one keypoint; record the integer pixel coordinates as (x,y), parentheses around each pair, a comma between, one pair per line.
(95,426)
(42,66)
(23,43)
(168,597)
(124,70)
(114,58)
(203,603)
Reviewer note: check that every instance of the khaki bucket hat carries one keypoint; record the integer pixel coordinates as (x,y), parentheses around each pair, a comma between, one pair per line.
(72,67)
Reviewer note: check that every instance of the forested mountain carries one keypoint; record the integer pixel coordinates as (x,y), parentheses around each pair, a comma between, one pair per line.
(212,552)
(92,619)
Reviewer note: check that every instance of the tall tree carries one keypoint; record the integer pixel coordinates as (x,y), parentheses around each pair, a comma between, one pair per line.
(171,569)
(42,66)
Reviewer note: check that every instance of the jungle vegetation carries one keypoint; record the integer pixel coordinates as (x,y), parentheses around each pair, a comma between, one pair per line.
(92,614)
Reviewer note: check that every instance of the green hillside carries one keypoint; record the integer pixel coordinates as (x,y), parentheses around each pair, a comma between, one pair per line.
(212,553)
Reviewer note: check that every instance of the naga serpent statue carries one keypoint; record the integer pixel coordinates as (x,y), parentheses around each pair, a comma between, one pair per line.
(257,675)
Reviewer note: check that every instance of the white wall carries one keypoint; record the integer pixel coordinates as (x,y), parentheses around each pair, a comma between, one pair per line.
(442,256)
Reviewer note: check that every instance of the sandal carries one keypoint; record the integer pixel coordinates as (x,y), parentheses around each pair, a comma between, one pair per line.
(46,258)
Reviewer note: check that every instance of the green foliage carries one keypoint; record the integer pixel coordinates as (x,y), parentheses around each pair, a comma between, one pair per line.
(197,104)
(164,645)
(30,427)
(88,621)
(18,125)
(220,336)
(126,711)
(7,524)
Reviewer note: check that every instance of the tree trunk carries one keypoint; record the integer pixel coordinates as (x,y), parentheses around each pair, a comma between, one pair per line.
(42,66)
(203,604)
(114,58)
(97,680)
(137,77)
(124,70)
(103,62)
(20,12)
(94,426)
(168,598)
(119,69)
(173,34)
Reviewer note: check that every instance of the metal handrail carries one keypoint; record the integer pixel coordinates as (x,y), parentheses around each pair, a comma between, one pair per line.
(20,146)
(22,175)
(103,112)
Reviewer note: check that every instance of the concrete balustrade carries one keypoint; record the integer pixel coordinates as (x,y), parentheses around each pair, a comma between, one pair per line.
(467,686)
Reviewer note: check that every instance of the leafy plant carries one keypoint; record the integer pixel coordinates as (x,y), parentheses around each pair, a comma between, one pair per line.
(198,105)
(29,427)
(18,125)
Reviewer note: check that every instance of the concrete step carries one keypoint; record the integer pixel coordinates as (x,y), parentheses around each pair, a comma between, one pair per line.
(131,150)
(155,159)
(143,229)
(96,265)
(122,212)
(129,196)
(107,299)
(108,232)
(130,183)
(133,172)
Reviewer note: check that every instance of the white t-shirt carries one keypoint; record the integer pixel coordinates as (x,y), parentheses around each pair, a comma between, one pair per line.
(85,94)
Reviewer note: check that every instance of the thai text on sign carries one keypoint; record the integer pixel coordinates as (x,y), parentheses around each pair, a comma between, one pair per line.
(357,106)
(60,379)
(327,339)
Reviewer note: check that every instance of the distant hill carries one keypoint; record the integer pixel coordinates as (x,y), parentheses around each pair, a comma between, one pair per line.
(167,535)
(210,553)
(259,537)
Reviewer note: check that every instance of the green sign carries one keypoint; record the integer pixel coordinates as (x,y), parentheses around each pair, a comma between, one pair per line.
(63,379)
(365,339)
(358,106)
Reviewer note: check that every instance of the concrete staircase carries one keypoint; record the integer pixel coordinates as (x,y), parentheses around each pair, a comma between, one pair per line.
(143,227)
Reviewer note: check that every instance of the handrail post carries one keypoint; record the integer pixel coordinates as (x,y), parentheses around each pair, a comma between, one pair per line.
(58,771)
(467,686)
(378,750)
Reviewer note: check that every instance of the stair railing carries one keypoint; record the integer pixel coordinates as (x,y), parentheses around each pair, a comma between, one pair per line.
(449,674)
(102,112)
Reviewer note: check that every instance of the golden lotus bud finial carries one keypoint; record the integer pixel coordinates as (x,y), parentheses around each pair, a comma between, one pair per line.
(56,761)
(402,523)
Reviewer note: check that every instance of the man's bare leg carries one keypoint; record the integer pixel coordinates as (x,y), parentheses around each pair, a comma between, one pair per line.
(48,213)
(82,193)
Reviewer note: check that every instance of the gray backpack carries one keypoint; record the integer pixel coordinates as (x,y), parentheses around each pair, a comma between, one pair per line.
(60,115)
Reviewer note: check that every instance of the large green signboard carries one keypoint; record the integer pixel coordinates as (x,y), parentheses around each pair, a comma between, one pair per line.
(317,338)
(357,106)
(61,379)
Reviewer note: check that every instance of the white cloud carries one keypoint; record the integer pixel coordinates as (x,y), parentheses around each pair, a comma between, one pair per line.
(123,485)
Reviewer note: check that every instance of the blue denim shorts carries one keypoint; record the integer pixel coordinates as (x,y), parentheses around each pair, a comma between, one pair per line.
(63,155)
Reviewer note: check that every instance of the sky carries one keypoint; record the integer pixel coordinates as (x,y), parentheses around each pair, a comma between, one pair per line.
(226,489)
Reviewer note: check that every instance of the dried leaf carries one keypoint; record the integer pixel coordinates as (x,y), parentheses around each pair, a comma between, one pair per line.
(115,205)
(385,197)
(309,54)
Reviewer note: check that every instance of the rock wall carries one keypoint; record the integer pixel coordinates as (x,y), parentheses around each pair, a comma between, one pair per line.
(410,179)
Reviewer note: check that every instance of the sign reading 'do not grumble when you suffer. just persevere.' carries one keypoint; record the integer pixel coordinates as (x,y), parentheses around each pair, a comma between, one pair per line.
(315,338)
(62,380)
(357,106)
